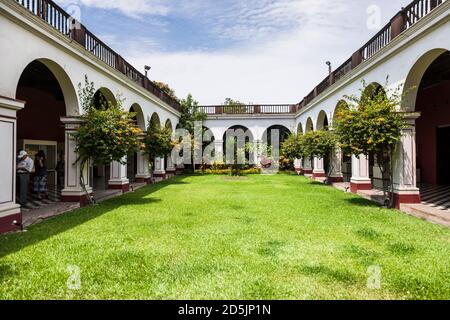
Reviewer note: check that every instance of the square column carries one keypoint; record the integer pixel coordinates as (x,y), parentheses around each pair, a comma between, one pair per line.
(118,178)
(336,170)
(298,166)
(404,165)
(307,169)
(218,150)
(159,172)
(360,174)
(257,153)
(143,172)
(10,213)
(73,190)
(319,170)
(171,170)
(180,169)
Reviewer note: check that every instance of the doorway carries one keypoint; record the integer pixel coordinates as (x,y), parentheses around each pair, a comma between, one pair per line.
(443,155)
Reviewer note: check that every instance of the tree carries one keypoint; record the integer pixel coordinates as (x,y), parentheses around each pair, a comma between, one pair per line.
(320,144)
(158,142)
(190,114)
(107,133)
(292,147)
(372,126)
(234,106)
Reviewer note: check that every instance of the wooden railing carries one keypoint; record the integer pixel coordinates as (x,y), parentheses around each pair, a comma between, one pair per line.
(404,20)
(249,109)
(59,19)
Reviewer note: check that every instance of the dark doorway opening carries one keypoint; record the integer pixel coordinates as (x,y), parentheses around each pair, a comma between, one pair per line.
(443,150)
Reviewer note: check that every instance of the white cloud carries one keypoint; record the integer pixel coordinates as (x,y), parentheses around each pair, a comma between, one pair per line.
(133,8)
(277,48)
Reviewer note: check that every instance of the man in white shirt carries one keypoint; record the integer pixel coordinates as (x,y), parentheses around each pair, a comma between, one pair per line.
(25,166)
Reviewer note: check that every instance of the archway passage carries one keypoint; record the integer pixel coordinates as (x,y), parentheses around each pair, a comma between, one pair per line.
(433,126)
(346,161)
(101,174)
(238,137)
(132,157)
(39,127)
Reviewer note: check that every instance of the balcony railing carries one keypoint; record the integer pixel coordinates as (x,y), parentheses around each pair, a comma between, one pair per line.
(404,20)
(249,109)
(60,20)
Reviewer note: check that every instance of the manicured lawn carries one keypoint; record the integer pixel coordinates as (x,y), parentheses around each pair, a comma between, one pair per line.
(211,237)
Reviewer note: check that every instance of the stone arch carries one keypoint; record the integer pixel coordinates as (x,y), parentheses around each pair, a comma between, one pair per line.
(309,125)
(284,132)
(168,125)
(103,97)
(300,128)
(154,121)
(340,106)
(67,88)
(414,78)
(372,90)
(139,115)
(322,121)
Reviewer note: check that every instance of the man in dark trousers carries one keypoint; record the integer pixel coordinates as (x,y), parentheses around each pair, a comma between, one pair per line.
(24,168)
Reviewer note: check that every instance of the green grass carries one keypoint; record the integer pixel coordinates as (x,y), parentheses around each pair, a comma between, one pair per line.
(212,237)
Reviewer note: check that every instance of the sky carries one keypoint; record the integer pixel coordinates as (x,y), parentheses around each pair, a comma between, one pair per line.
(254,51)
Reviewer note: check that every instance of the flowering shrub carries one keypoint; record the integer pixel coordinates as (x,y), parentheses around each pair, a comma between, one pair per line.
(158,142)
(107,133)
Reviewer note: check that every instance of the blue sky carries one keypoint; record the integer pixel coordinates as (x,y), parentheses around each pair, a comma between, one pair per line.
(257,51)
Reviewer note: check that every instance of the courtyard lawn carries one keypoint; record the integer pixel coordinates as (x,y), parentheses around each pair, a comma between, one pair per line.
(214,237)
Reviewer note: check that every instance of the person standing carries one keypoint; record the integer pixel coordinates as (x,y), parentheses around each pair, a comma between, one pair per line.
(40,178)
(25,166)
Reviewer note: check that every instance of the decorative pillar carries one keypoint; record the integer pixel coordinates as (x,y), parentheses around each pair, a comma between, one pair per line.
(218,150)
(336,162)
(159,172)
(360,174)
(307,169)
(73,190)
(298,166)
(10,214)
(257,153)
(404,165)
(171,170)
(143,173)
(319,171)
(118,177)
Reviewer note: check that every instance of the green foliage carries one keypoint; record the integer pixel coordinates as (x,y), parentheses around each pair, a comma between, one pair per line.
(319,144)
(234,106)
(107,132)
(292,147)
(372,124)
(190,113)
(158,141)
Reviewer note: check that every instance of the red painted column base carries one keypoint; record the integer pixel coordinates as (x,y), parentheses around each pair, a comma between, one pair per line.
(307,171)
(319,175)
(163,176)
(144,180)
(355,187)
(336,179)
(406,199)
(123,187)
(82,200)
(6,223)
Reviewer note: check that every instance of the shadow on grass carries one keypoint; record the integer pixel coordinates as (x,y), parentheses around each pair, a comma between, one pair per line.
(15,242)
(321,271)
(363,202)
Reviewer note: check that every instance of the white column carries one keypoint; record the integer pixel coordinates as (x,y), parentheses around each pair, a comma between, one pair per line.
(118,177)
(319,170)
(143,171)
(307,169)
(257,153)
(336,163)
(404,166)
(218,149)
(360,174)
(9,210)
(73,190)
(170,166)
(159,168)
(298,165)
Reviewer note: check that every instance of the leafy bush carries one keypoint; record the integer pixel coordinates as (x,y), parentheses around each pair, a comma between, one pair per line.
(107,133)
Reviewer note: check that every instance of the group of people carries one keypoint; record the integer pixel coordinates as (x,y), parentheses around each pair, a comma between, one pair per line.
(25,166)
